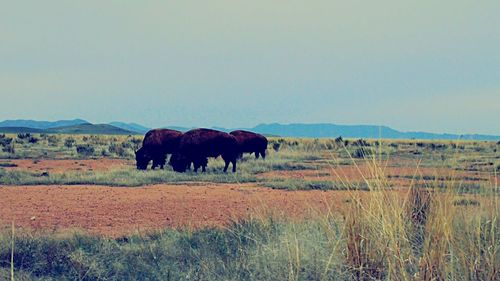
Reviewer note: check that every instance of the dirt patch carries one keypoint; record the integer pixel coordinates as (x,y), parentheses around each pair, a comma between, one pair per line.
(68,165)
(117,211)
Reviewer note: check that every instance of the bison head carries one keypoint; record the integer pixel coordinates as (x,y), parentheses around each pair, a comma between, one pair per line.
(179,163)
(142,159)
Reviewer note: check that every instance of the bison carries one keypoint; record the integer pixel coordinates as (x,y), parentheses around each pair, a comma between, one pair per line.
(156,145)
(249,142)
(197,145)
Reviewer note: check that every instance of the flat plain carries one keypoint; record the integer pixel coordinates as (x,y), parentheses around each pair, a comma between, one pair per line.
(52,185)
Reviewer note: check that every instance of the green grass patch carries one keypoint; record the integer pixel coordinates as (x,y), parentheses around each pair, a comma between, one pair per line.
(126,177)
(251,250)
(7,164)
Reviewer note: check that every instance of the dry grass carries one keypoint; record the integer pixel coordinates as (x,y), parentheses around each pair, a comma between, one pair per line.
(418,234)
(422,236)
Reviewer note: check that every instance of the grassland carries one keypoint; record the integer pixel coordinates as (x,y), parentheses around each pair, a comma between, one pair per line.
(436,230)
(285,154)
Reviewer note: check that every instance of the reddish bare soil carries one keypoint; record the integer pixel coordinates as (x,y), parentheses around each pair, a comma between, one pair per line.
(67,165)
(117,210)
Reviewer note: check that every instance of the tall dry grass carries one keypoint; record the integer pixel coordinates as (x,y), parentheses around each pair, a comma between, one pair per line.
(420,233)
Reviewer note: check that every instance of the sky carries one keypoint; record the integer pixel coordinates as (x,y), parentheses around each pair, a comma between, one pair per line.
(412,65)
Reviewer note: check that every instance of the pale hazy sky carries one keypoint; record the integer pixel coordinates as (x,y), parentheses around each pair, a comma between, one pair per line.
(411,65)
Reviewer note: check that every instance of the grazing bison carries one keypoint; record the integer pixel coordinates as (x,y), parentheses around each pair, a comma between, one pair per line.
(197,145)
(249,142)
(156,145)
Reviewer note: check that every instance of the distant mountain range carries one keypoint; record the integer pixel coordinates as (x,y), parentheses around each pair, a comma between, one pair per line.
(326,130)
(357,131)
(76,126)
(41,124)
(87,128)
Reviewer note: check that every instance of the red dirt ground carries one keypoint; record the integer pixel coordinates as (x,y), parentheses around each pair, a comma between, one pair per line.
(117,211)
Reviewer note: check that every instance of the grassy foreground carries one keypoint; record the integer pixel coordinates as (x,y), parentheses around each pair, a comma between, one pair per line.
(424,235)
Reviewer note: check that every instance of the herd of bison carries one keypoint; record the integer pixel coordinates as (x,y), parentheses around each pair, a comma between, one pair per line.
(196,146)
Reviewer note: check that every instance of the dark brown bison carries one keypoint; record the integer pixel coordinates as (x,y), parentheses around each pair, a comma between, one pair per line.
(156,145)
(249,142)
(197,145)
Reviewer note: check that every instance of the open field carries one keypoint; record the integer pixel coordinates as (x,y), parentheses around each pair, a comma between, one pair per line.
(314,209)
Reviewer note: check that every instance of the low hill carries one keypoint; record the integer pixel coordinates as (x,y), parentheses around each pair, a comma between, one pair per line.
(90,129)
(357,131)
(134,127)
(41,124)
(17,130)
(178,128)
(327,130)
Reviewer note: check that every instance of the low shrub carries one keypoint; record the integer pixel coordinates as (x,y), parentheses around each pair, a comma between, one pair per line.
(33,140)
(136,143)
(4,141)
(276,146)
(119,150)
(85,149)
(9,149)
(69,142)
(127,144)
(53,140)
(104,152)
(360,142)
(361,153)
(23,136)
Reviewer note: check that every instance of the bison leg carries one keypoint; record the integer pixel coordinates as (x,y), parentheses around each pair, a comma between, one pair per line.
(263,154)
(234,165)
(161,161)
(204,163)
(230,158)
(256,155)
(200,163)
